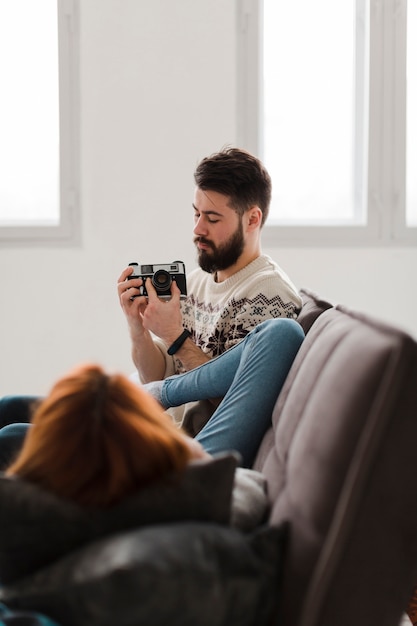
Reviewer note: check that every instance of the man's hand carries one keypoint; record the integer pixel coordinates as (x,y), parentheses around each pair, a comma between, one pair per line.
(163,317)
(147,357)
(132,303)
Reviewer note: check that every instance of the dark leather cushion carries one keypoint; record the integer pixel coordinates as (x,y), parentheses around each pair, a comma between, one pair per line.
(37,528)
(313,307)
(178,574)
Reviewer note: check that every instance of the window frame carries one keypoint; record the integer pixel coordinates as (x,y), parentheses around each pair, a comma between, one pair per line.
(384,108)
(68,229)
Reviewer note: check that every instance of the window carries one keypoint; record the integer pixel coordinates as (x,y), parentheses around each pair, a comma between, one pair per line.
(38,120)
(323,100)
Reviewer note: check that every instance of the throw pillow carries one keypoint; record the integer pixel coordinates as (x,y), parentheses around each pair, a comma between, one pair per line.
(37,528)
(250,502)
(179,574)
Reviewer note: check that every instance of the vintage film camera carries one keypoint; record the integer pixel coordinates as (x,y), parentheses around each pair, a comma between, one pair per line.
(161,277)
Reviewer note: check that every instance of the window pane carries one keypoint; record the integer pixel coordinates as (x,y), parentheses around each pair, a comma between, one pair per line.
(29,114)
(310,93)
(411,114)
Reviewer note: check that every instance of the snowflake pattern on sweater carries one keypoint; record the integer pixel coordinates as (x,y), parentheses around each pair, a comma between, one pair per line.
(219,315)
(217,328)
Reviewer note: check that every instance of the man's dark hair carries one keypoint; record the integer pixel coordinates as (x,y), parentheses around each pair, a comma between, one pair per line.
(239,175)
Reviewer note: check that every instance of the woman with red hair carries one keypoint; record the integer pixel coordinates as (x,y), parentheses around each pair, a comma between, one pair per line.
(98,438)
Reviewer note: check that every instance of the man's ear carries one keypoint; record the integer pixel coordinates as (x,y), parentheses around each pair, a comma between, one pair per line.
(254,217)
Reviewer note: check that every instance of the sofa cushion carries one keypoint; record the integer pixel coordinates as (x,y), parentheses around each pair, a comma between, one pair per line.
(313,306)
(36,527)
(179,574)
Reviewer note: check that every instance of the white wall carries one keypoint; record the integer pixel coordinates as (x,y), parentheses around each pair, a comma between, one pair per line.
(158,92)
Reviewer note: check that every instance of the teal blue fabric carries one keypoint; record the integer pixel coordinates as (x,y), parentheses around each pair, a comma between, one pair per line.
(23,618)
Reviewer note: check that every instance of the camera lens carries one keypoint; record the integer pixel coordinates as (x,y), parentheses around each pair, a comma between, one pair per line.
(161,280)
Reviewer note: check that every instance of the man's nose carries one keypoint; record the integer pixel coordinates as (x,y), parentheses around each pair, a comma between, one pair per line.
(200,228)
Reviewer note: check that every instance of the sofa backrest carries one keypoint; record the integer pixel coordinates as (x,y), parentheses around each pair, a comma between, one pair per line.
(341,465)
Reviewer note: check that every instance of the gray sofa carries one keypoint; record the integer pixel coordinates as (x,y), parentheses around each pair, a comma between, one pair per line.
(341,465)
(339,545)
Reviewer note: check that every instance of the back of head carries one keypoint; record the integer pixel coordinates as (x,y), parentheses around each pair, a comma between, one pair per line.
(98,438)
(238,174)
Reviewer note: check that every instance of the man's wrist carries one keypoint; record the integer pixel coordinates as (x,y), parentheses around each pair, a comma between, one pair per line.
(176,345)
(138,335)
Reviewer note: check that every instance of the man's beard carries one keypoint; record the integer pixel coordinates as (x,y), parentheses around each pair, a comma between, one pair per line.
(223,256)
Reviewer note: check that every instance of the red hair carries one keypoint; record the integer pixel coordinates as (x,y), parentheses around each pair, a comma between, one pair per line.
(98,438)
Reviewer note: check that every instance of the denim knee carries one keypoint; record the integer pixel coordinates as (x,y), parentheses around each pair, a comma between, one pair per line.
(282,326)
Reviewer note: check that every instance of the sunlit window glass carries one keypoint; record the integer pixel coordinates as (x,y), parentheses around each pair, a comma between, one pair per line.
(313,108)
(411,114)
(29,113)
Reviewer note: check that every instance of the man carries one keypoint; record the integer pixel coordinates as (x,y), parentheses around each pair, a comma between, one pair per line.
(235,288)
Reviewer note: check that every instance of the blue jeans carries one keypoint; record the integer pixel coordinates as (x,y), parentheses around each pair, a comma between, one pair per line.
(249,378)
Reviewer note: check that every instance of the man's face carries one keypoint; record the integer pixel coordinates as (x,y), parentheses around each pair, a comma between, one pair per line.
(218,231)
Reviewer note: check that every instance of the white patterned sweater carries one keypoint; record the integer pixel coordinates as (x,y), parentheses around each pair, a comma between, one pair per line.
(219,315)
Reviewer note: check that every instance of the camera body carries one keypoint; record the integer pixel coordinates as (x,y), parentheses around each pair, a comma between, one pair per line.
(161,276)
